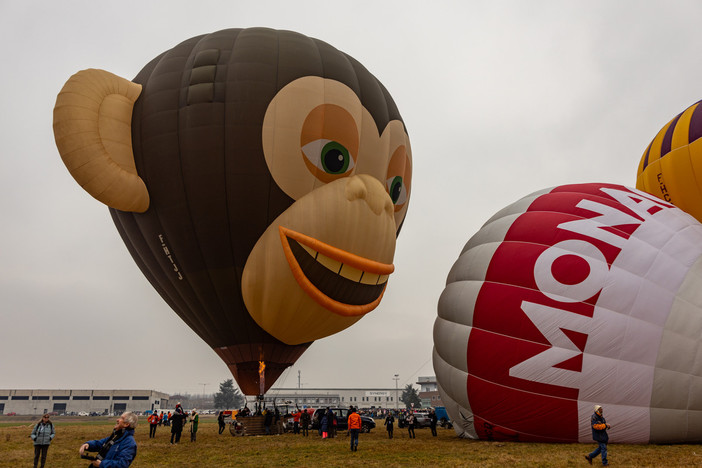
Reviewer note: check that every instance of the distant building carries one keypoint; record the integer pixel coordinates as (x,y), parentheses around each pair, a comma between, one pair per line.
(36,402)
(77,401)
(387,398)
(429,392)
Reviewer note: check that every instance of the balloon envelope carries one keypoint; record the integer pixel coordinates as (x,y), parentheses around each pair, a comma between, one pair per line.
(278,173)
(571,297)
(671,166)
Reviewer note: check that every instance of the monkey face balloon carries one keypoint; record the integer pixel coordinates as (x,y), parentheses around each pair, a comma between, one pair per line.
(259,179)
(327,258)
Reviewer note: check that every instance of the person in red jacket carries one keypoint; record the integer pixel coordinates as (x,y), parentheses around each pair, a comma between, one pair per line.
(296,420)
(153,424)
(354,423)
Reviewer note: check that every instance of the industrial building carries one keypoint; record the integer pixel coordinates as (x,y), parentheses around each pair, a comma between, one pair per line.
(36,402)
(387,398)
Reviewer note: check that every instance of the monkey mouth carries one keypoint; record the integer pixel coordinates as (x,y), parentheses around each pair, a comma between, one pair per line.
(344,283)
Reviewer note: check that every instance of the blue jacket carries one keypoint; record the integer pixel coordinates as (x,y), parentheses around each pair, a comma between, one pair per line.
(599,435)
(121,454)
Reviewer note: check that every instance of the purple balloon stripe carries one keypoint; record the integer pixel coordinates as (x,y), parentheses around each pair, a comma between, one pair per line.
(695,123)
(668,137)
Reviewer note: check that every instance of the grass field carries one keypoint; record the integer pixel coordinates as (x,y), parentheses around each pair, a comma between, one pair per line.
(213,450)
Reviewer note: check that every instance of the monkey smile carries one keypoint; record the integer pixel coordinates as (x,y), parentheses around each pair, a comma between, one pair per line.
(342,282)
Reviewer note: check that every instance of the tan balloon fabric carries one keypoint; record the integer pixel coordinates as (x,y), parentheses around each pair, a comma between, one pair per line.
(92,128)
(359,228)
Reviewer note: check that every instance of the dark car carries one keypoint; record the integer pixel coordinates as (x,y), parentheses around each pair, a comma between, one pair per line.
(342,419)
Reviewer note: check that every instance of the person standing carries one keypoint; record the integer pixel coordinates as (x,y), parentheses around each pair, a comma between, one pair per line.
(305,420)
(176,422)
(410,425)
(432,422)
(296,420)
(42,435)
(153,424)
(389,423)
(331,423)
(119,449)
(267,420)
(194,421)
(599,435)
(324,425)
(277,421)
(220,421)
(354,425)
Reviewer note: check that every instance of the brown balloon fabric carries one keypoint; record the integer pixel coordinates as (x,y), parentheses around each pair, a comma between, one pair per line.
(197,145)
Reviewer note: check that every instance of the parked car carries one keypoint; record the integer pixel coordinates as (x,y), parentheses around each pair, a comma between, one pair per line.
(342,419)
(82,413)
(422,420)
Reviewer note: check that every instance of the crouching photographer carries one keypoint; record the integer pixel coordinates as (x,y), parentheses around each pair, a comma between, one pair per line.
(117,450)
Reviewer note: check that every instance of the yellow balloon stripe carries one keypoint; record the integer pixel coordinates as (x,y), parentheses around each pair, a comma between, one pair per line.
(681,134)
(695,158)
(651,181)
(679,178)
(655,153)
(641,163)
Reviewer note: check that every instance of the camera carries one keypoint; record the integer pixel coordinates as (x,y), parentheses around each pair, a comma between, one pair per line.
(92,457)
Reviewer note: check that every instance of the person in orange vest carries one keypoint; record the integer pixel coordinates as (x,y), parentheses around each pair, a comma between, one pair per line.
(296,420)
(354,423)
(153,424)
(599,434)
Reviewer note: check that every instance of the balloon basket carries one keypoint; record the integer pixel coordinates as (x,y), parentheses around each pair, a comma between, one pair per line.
(253,425)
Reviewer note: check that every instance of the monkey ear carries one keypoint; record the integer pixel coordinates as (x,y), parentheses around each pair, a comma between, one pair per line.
(93,133)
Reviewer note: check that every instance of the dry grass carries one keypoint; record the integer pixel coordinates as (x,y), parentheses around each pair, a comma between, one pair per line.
(375,449)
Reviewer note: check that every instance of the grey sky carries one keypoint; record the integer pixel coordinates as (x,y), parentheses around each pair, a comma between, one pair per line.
(500,99)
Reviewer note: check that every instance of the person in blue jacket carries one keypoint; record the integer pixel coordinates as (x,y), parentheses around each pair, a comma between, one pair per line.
(119,449)
(599,435)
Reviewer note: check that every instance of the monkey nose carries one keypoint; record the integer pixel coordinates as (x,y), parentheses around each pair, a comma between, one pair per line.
(369,189)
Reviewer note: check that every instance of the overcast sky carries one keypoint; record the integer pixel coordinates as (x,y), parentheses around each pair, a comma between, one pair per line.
(500,99)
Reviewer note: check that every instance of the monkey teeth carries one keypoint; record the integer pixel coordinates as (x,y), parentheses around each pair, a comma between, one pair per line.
(348,272)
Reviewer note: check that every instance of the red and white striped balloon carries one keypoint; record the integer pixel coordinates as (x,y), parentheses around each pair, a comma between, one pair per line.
(574,296)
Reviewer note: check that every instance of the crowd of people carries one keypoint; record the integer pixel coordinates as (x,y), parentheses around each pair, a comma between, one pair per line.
(176,421)
(119,449)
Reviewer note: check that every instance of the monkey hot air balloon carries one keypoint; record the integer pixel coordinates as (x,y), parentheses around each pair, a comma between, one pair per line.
(258,178)
(671,166)
(575,296)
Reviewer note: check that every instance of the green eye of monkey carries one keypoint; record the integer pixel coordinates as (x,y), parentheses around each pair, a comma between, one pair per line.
(329,156)
(335,158)
(395,188)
